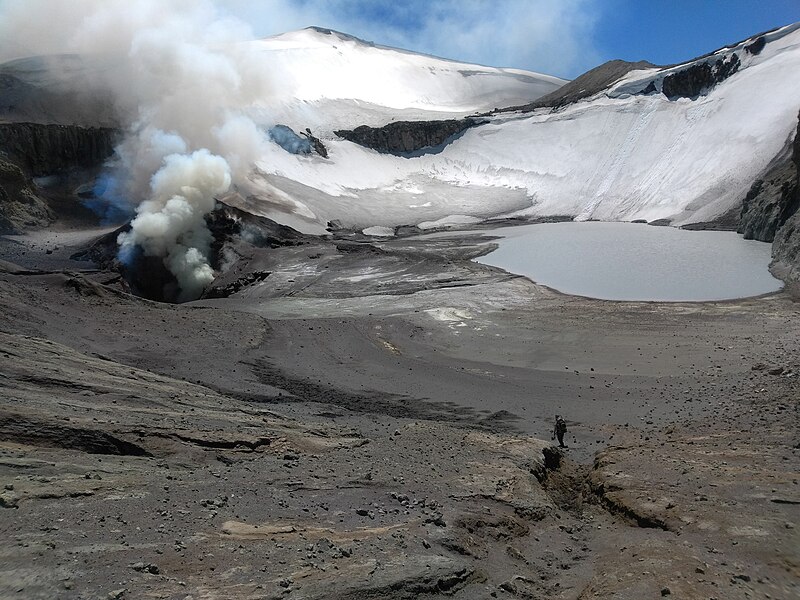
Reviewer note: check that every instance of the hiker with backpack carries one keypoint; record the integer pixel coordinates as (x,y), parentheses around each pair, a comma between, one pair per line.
(559,430)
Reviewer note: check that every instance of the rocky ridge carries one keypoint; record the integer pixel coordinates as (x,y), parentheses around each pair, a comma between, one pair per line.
(786,247)
(770,211)
(43,150)
(698,78)
(584,86)
(400,137)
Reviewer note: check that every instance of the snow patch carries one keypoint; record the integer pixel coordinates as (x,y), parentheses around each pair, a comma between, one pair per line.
(449,221)
(379,231)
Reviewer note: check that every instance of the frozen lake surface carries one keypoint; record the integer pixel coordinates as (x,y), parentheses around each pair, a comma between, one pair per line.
(631,261)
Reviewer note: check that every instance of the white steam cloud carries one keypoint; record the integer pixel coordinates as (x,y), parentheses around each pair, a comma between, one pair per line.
(181,82)
(170,223)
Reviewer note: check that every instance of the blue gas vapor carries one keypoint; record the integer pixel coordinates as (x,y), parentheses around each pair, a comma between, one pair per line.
(128,255)
(287,139)
(107,201)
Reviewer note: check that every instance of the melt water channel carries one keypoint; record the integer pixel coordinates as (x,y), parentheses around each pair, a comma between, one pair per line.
(636,262)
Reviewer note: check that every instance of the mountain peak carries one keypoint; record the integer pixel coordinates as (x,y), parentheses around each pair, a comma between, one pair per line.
(334,32)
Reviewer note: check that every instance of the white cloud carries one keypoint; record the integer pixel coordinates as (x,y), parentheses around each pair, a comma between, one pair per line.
(549,36)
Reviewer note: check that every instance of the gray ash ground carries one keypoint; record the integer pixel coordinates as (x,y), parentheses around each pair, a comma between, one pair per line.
(372,420)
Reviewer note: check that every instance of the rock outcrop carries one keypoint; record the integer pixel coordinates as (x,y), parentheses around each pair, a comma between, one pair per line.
(699,78)
(20,206)
(316,143)
(786,253)
(768,201)
(786,247)
(46,149)
(29,150)
(770,211)
(402,137)
(757,46)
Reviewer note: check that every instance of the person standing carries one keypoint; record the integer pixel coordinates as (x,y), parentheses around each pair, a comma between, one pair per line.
(559,429)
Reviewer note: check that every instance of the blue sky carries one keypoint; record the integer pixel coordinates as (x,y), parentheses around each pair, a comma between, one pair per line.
(669,31)
(558,37)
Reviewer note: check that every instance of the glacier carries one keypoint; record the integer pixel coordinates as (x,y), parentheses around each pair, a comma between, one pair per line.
(621,154)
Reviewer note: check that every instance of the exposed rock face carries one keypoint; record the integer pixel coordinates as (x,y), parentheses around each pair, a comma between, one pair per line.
(20,207)
(22,429)
(45,149)
(786,248)
(316,143)
(786,253)
(770,211)
(699,78)
(29,150)
(767,203)
(757,46)
(407,136)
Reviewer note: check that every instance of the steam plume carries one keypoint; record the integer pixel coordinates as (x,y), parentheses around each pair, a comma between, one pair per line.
(170,223)
(182,85)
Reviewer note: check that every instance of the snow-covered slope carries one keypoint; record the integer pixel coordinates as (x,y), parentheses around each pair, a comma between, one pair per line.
(313,77)
(627,152)
(622,154)
(328,80)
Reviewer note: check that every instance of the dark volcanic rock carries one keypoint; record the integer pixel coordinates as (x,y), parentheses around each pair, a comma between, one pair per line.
(786,248)
(757,46)
(770,211)
(407,136)
(20,206)
(29,150)
(727,221)
(786,253)
(316,143)
(699,78)
(650,89)
(226,222)
(147,276)
(46,149)
(239,284)
(774,197)
(22,429)
(767,203)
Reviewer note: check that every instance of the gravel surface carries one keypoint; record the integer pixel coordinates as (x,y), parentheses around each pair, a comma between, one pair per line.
(372,420)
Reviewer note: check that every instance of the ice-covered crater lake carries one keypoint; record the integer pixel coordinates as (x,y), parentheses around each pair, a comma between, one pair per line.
(631,261)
